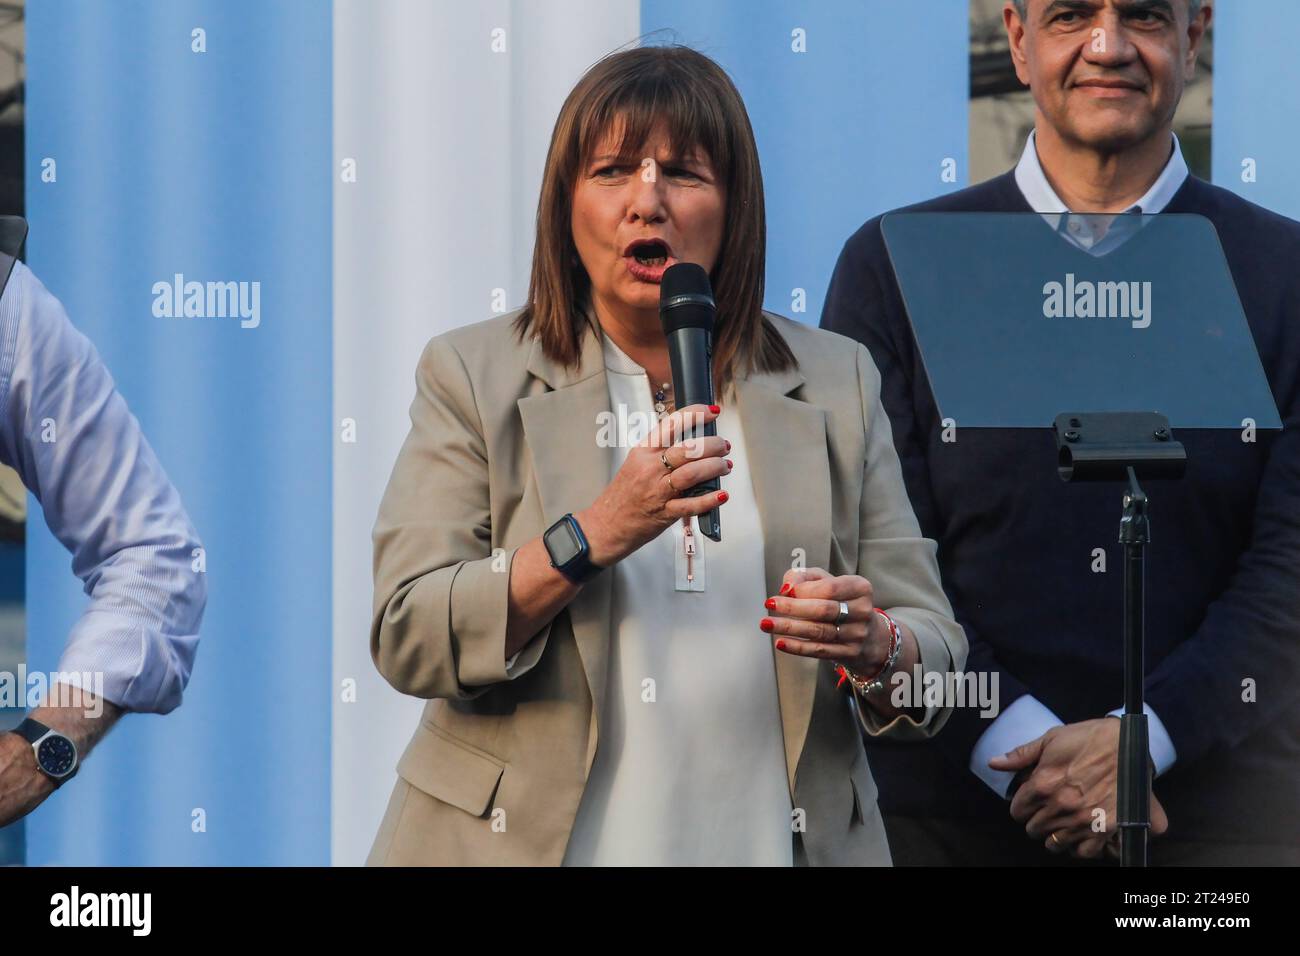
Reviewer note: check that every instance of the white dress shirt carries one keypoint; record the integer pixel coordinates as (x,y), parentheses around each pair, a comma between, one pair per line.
(70,436)
(1028,718)
(690,768)
(1095,233)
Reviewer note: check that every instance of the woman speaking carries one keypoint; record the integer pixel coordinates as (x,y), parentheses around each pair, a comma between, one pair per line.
(606,685)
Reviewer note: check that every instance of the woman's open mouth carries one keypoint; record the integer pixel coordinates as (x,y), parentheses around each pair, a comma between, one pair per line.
(648,259)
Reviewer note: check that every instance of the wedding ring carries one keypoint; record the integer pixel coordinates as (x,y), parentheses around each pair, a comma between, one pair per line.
(669,476)
(843,616)
(1054,840)
(663,456)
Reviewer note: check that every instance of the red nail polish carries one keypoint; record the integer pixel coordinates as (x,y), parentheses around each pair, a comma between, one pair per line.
(727,443)
(770,604)
(791,591)
(766,624)
(715,408)
(780,645)
(785,589)
(722,497)
(729,464)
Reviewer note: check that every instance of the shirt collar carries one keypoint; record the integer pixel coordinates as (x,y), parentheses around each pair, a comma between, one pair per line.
(1040,195)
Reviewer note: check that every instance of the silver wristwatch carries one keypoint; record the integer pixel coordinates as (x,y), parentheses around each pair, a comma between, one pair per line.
(56,754)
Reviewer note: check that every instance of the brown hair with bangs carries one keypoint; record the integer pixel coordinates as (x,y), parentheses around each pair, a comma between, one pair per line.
(702,109)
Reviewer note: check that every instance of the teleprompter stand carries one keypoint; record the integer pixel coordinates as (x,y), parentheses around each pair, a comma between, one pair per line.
(987,296)
(1126,446)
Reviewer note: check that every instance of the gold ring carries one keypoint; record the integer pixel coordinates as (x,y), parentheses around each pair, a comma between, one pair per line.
(1054,840)
(669,476)
(663,456)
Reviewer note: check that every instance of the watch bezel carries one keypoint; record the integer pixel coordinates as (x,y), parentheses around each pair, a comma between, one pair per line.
(38,736)
(579,568)
(567,526)
(52,737)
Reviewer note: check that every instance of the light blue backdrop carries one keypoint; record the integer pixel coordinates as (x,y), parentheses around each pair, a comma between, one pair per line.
(215,165)
(1257,101)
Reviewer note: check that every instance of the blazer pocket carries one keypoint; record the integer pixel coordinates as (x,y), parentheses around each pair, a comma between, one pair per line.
(450,770)
(864,786)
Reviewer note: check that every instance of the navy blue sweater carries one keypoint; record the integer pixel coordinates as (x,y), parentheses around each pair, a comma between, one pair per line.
(1015,549)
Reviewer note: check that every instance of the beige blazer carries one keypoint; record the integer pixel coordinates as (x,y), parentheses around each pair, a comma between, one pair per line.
(502,444)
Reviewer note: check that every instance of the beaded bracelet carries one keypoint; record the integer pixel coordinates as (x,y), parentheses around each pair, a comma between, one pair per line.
(865,686)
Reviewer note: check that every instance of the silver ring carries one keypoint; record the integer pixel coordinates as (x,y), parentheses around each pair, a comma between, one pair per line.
(663,456)
(837,632)
(842,617)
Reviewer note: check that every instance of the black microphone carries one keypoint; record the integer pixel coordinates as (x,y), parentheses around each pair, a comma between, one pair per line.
(686,309)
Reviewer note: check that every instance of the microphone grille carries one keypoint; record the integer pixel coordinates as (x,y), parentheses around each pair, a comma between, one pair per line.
(684,278)
(686,297)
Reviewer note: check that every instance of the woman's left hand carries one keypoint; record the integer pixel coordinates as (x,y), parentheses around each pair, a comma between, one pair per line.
(802,619)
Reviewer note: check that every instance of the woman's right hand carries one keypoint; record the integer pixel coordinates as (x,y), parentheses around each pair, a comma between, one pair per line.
(644,498)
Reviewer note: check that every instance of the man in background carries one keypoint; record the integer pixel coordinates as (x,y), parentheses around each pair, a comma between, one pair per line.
(1224,579)
(68,434)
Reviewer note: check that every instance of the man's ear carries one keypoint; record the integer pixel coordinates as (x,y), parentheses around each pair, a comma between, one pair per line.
(1196,28)
(1015,28)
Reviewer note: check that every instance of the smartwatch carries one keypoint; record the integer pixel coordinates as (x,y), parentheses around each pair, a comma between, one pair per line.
(56,755)
(569,551)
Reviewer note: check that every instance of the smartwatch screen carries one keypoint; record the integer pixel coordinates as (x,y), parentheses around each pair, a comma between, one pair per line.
(564,546)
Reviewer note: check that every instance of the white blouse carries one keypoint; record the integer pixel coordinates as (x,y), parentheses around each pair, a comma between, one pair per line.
(690,764)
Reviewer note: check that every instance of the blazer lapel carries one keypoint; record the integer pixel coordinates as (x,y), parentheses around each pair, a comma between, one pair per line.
(785,439)
(571,471)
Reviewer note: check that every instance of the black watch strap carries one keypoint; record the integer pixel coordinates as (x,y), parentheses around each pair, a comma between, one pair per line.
(31,730)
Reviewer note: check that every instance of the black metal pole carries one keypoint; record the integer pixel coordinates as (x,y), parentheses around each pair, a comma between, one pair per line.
(1133,800)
